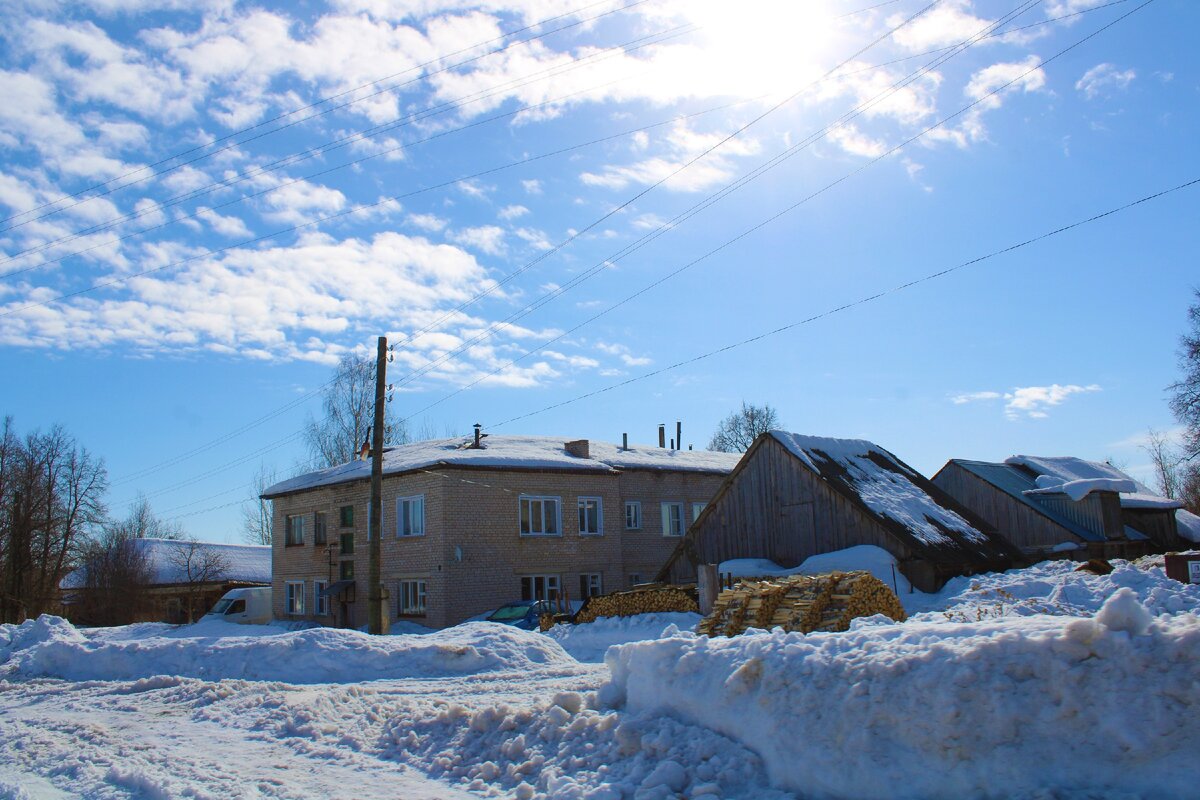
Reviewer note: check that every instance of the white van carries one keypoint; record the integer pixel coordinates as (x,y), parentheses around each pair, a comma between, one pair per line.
(250,606)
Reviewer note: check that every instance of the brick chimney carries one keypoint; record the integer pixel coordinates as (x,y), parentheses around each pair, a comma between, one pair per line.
(578,448)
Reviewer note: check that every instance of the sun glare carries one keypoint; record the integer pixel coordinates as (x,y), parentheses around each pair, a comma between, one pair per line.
(763,46)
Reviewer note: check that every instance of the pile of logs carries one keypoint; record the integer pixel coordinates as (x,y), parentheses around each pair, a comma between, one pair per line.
(640,600)
(803,603)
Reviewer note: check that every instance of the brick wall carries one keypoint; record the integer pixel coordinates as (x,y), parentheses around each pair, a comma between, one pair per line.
(472,556)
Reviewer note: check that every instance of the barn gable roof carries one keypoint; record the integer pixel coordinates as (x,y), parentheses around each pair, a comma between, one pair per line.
(898,497)
(241,563)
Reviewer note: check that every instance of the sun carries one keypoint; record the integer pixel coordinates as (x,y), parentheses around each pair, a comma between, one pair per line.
(755,47)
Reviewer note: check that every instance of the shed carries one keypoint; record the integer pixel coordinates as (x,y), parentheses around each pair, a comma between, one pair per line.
(793,496)
(1062,504)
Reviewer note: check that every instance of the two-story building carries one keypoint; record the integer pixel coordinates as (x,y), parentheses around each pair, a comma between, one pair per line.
(470,524)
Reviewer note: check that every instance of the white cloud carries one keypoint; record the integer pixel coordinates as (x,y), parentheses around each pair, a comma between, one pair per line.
(428,222)
(1026,401)
(850,139)
(222,224)
(1104,79)
(1032,401)
(535,238)
(485,238)
(682,145)
(512,212)
(950,22)
(532,186)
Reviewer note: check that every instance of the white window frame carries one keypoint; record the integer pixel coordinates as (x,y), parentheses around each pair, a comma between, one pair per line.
(320,604)
(293,523)
(419,604)
(541,501)
(667,530)
(294,597)
(594,583)
(636,507)
(549,582)
(697,510)
(581,504)
(405,507)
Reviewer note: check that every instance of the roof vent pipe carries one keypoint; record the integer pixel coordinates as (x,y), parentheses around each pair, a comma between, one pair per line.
(662,435)
(478,428)
(672,444)
(678,434)
(624,441)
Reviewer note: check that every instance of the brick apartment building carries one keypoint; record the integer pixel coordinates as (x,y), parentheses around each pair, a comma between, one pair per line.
(469,525)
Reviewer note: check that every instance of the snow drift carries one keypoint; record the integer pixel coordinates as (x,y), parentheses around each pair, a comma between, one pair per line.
(52,647)
(1019,705)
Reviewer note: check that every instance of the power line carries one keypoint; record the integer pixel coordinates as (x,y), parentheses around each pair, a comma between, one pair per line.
(859,302)
(881,294)
(322,101)
(544,255)
(712,199)
(785,211)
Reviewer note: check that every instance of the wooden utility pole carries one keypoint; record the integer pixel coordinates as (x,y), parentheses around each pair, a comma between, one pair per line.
(374,526)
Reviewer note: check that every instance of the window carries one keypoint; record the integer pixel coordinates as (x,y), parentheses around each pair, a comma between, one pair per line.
(320,602)
(346,571)
(591,512)
(295,597)
(236,607)
(539,587)
(696,509)
(633,515)
(346,516)
(672,519)
(410,516)
(293,526)
(635,578)
(539,516)
(319,527)
(412,597)
(347,540)
(589,585)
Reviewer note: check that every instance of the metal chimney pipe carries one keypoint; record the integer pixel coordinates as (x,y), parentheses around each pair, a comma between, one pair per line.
(624,441)
(672,444)
(478,427)
(679,434)
(662,435)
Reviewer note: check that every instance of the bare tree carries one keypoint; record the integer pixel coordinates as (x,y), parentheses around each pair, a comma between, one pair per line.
(738,431)
(1185,393)
(196,564)
(257,524)
(111,582)
(348,408)
(51,492)
(1165,459)
(143,523)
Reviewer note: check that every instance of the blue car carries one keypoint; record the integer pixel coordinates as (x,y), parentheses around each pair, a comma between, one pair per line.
(524,614)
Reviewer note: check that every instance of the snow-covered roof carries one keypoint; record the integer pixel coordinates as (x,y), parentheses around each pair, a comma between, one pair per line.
(894,492)
(514,452)
(1078,478)
(165,558)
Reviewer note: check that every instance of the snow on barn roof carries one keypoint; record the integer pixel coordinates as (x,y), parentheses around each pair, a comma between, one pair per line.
(514,452)
(244,563)
(894,493)
(1077,478)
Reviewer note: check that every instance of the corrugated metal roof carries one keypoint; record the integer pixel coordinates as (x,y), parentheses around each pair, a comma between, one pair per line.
(1014,482)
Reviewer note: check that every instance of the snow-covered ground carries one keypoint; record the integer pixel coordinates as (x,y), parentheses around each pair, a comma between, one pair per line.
(1039,683)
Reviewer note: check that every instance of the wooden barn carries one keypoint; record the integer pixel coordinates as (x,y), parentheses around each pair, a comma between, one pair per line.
(1066,507)
(794,496)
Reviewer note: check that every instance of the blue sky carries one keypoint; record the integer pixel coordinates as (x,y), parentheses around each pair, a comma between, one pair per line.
(177,317)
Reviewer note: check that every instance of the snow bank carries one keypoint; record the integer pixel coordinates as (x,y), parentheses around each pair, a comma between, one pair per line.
(589,642)
(1014,706)
(1051,587)
(52,647)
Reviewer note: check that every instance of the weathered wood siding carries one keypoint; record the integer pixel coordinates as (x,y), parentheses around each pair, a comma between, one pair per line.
(1159,525)
(1016,521)
(776,508)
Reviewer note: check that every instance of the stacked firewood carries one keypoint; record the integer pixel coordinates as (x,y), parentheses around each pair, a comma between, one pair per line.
(803,603)
(641,600)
